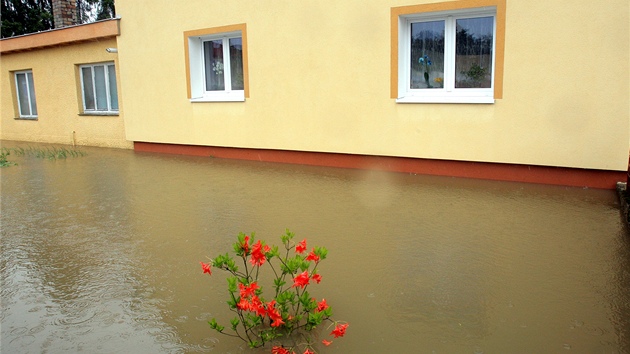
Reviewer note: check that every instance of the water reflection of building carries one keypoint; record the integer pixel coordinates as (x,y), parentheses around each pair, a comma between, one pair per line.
(336,94)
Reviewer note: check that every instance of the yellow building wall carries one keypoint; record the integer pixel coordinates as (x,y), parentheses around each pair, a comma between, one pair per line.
(319,80)
(58,93)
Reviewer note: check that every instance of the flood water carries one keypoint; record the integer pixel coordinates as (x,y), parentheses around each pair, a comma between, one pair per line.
(100,254)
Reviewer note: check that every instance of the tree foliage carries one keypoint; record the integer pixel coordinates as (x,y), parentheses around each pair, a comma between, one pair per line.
(28,16)
(25,16)
(95,10)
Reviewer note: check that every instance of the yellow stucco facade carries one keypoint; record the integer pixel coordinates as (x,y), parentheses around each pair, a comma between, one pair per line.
(54,58)
(319,80)
(325,77)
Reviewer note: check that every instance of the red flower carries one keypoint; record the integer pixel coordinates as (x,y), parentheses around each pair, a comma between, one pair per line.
(326,342)
(248,291)
(206,268)
(340,330)
(257,306)
(272,311)
(274,314)
(317,278)
(245,245)
(321,306)
(312,256)
(258,254)
(280,350)
(243,304)
(301,280)
(308,351)
(301,247)
(277,322)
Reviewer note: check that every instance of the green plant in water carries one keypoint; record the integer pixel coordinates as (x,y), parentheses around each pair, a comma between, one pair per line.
(3,158)
(291,313)
(50,153)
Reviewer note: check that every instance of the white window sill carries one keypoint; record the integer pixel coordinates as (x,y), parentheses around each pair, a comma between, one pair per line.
(235,96)
(99,113)
(443,99)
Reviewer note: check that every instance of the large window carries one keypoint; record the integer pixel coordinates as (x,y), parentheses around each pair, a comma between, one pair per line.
(217,64)
(25,89)
(100,93)
(447,56)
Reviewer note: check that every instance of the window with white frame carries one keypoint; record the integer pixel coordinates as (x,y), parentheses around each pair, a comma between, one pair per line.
(216,67)
(98,85)
(447,56)
(25,90)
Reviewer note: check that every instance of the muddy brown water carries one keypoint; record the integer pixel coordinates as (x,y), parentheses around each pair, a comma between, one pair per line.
(100,254)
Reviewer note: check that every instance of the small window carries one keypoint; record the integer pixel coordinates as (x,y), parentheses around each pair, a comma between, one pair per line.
(25,89)
(447,56)
(217,64)
(100,93)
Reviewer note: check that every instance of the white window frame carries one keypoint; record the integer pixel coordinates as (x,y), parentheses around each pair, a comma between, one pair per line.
(197,69)
(32,100)
(95,111)
(447,94)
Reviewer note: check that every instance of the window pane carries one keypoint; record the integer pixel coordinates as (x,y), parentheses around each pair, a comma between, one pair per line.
(88,89)
(22,92)
(427,55)
(31,91)
(473,52)
(236,63)
(101,89)
(113,89)
(213,59)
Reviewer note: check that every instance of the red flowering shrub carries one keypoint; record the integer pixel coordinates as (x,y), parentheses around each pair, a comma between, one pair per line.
(291,312)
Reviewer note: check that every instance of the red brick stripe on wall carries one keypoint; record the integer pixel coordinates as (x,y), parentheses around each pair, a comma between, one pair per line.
(563,176)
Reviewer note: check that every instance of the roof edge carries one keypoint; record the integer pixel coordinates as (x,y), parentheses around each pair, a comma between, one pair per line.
(61,36)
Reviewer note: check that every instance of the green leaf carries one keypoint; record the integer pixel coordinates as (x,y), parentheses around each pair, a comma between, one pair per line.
(305,298)
(284,297)
(286,238)
(322,252)
(293,264)
(235,321)
(315,318)
(274,252)
(278,282)
(232,281)
(214,325)
(232,301)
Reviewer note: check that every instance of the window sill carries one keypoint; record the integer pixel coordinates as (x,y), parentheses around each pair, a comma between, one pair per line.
(110,114)
(222,97)
(434,99)
(26,118)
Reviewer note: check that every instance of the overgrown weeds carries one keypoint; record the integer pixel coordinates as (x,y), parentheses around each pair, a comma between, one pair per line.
(50,153)
(3,159)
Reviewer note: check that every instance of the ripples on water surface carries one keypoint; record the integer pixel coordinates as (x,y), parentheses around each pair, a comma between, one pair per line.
(100,254)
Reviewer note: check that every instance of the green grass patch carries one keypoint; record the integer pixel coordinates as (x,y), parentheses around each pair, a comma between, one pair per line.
(50,153)
(3,159)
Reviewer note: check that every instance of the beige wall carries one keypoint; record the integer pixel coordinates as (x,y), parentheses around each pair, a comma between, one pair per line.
(319,80)
(58,93)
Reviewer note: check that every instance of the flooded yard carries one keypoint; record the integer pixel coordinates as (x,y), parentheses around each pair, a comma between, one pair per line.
(100,254)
